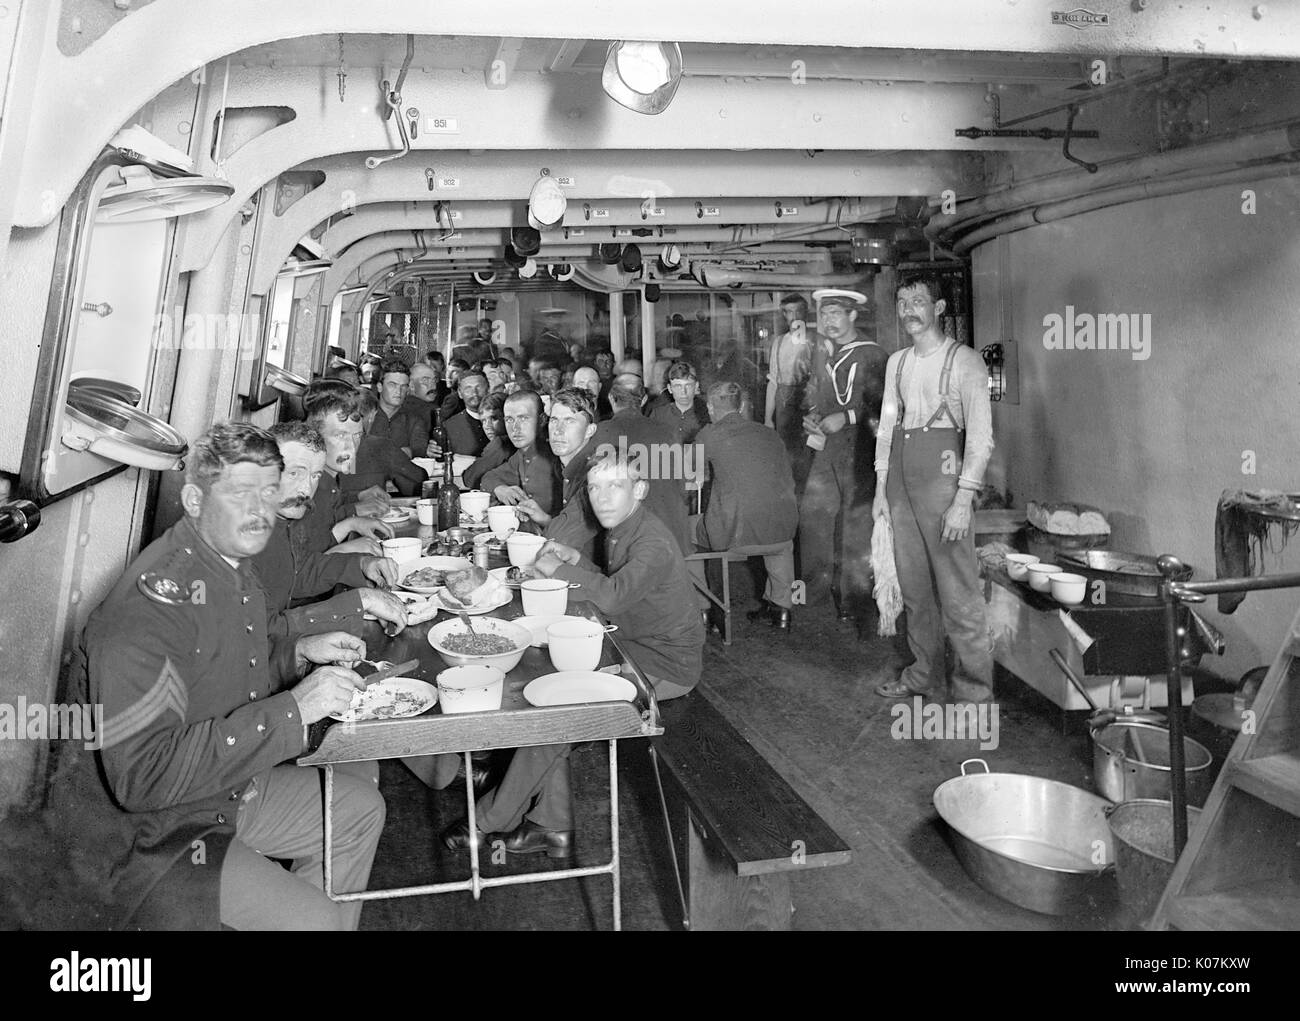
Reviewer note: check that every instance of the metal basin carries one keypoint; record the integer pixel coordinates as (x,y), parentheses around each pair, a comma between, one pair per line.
(1130,762)
(1038,843)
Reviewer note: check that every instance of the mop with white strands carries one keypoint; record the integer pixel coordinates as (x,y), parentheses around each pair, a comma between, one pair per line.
(888,596)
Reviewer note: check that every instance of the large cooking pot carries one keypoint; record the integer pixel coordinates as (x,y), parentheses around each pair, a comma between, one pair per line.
(1130,762)
(1038,843)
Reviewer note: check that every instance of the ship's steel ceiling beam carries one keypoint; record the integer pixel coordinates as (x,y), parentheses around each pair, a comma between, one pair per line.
(599,179)
(76,113)
(680,217)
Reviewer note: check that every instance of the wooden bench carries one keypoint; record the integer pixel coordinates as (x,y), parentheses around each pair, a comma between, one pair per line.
(738,828)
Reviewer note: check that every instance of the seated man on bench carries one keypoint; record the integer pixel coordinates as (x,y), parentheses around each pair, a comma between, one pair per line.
(751,499)
(646,591)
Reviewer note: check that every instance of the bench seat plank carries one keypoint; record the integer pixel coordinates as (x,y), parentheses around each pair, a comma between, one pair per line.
(747,806)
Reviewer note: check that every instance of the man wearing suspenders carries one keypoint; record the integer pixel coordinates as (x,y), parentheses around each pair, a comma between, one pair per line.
(936,435)
(843,407)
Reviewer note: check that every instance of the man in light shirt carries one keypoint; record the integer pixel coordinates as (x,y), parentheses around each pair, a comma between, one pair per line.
(935,438)
(788,366)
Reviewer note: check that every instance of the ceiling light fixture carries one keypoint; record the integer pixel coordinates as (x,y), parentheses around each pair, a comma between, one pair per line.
(546,203)
(642,76)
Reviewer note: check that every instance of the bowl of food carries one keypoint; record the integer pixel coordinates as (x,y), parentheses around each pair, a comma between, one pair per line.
(471,689)
(523,547)
(493,642)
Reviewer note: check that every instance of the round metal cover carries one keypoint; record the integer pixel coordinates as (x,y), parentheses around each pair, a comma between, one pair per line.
(286,381)
(116,420)
(123,392)
(142,195)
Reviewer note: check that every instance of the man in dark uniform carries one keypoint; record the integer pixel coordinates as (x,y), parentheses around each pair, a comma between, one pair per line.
(682,410)
(843,412)
(291,572)
(571,425)
(667,464)
(396,420)
(329,522)
(751,495)
(532,471)
(201,708)
(646,590)
(379,460)
(465,432)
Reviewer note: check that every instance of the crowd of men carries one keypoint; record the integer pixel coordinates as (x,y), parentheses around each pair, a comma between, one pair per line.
(241,625)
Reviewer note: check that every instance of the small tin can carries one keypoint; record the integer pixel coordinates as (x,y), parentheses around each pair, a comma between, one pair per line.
(481,555)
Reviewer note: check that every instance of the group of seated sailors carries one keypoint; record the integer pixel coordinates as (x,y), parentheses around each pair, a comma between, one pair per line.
(239,627)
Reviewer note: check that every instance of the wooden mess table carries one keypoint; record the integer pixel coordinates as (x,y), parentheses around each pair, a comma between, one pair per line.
(516,724)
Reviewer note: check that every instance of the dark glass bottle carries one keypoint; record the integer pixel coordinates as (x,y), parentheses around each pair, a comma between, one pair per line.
(448,501)
(439,434)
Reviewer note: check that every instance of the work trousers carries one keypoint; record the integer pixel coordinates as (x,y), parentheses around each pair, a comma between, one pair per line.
(285,819)
(835,527)
(939,579)
(536,786)
(779,568)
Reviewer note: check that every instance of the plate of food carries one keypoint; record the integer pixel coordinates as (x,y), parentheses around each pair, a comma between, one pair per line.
(394,699)
(426,575)
(578,687)
(416,605)
(397,516)
(472,590)
(513,577)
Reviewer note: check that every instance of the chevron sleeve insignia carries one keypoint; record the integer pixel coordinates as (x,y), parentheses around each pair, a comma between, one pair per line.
(168,694)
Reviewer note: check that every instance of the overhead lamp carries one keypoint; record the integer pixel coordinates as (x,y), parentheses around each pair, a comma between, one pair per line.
(561,270)
(529,269)
(484,278)
(526,240)
(642,76)
(513,259)
(546,203)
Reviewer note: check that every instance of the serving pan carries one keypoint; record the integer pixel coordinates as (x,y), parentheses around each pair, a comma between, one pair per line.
(1038,843)
(1122,572)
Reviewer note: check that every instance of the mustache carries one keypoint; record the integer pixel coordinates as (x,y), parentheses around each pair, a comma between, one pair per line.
(297,501)
(255,523)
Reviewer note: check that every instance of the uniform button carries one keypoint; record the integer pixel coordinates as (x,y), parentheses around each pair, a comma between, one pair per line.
(248,628)
(230,740)
(252,695)
(221,819)
(253,661)
(234,795)
(245,599)
(288,716)
(261,728)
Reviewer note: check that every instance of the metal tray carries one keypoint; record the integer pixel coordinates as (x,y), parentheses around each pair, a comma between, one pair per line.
(1124,573)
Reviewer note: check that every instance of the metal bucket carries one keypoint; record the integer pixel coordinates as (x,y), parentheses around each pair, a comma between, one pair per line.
(1038,843)
(1130,762)
(1144,851)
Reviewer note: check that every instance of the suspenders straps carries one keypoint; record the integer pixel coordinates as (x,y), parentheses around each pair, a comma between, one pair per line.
(945,375)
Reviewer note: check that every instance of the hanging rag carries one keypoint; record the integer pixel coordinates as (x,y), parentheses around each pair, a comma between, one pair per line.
(1243,523)
(888,595)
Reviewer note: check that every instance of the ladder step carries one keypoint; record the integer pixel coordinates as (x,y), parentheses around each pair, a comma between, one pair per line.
(1274,778)
(1273,905)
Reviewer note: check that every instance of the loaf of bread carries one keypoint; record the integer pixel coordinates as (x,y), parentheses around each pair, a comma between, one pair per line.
(1067,519)
(465,586)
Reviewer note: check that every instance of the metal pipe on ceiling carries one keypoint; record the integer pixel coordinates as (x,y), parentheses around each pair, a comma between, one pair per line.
(1050,212)
(1226,153)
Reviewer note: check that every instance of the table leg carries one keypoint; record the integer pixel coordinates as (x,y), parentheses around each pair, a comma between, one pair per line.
(613,838)
(475,887)
(329,830)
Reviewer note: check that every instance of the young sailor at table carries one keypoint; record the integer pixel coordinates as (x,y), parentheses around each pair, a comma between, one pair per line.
(645,590)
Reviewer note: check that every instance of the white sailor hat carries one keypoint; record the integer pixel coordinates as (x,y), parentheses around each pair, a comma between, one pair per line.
(837,296)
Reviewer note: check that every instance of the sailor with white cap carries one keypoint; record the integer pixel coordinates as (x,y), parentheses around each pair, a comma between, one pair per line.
(842,402)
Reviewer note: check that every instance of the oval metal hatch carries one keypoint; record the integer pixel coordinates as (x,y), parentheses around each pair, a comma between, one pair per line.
(142,195)
(285,381)
(113,429)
